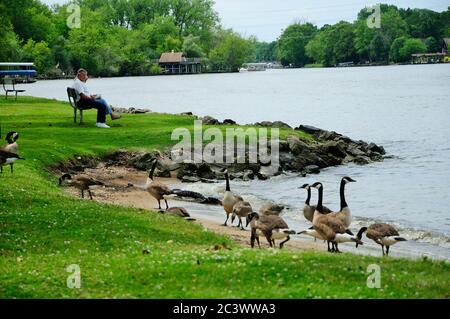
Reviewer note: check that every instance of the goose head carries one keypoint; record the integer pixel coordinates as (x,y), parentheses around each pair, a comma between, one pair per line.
(66,178)
(251,217)
(347,179)
(359,235)
(304,186)
(12,137)
(317,185)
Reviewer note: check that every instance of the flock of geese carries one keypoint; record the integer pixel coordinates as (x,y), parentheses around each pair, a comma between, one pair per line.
(330,226)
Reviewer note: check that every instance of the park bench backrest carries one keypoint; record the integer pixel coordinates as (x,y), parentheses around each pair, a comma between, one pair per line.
(72,95)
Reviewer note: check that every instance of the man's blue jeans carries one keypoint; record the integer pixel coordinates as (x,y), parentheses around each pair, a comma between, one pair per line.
(108,108)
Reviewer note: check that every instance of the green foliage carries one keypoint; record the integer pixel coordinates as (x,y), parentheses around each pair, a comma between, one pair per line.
(433,45)
(333,44)
(232,52)
(292,42)
(40,53)
(412,46)
(266,51)
(192,48)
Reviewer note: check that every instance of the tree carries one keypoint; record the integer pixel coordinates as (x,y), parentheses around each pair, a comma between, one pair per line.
(432,45)
(191,47)
(265,51)
(394,52)
(40,54)
(412,46)
(292,42)
(232,52)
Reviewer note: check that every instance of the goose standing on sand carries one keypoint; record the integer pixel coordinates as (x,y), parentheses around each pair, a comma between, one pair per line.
(327,225)
(344,213)
(10,151)
(271,209)
(80,182)
(157,189)
(271,226)
(382,234)
(229,199)
(308,210)
(241,209)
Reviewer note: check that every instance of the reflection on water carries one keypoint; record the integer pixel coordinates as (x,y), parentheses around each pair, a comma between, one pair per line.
(404,108)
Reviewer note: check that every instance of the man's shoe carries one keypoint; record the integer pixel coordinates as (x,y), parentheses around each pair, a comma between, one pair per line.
(102,125)
(115,116)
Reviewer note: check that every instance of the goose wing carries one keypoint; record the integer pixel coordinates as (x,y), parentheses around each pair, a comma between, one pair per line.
(88,181)
(160,188)
(384,229)
(326,210)
(273,222)
(333,223)
(271,209)
(242,208)
(6,154)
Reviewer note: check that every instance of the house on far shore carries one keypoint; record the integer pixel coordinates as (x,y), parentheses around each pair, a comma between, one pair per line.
(176,63)
(445,45)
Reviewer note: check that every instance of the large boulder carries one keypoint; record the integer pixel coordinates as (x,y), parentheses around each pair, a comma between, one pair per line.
(297,147)
(375,148)
(209,120)
(309,129)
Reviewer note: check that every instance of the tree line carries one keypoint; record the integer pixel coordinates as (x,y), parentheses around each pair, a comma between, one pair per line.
(126,37)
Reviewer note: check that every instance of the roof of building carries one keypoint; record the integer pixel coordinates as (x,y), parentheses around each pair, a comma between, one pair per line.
(171,57)
(447,41)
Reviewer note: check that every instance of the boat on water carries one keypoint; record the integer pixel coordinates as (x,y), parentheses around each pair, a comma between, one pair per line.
(250,67)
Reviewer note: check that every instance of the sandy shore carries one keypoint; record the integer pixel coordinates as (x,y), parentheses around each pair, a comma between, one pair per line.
(118,191)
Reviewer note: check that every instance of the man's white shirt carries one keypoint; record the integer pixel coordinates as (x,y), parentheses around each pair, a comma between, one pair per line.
(80,87)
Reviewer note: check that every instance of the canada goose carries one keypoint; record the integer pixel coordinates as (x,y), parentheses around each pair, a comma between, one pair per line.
(8,158)
(241,209)
(80,182)
(344,213)
(229,199)
(327,225)
(271,209)
(340,238)
(179,212)
(156,189)
(12,145)
(308,210)
(382,234)
(271,226)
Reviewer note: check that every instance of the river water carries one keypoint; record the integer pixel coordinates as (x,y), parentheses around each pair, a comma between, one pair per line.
(404,108)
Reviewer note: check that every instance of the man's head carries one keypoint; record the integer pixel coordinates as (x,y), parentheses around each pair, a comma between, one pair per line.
(82,75)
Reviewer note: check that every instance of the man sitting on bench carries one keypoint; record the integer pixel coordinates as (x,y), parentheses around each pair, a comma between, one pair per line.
(87,101)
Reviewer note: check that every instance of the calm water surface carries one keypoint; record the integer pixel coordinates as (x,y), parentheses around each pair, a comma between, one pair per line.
(404,108)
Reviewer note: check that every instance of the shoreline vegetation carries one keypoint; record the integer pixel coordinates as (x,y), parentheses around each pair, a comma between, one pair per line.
(128,38)
(126,252)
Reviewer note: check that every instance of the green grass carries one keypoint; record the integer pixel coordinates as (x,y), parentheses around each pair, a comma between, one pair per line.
(43,230)
(314,65)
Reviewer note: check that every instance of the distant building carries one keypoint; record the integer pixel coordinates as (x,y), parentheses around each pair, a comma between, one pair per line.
(176,63)
(445,45)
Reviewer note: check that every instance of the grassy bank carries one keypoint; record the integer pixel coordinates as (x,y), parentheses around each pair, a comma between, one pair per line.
(134,253)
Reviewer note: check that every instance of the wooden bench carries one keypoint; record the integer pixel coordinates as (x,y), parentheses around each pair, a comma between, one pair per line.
(12,89)
(72,95)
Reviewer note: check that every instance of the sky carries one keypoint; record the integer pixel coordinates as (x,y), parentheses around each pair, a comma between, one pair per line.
(267,18)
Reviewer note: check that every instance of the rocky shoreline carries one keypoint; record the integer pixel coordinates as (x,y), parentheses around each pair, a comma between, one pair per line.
(323,149)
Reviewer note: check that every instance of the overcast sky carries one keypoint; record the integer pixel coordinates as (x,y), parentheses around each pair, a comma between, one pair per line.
(266,18)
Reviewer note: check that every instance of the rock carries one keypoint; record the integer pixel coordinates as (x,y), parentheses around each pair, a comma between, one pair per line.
(162,173)
(187,113)
(309,129)
(361,160)
(248,175)
(190,179)
(229,122)
(296,146)
(335,148)
(278,124)
(355,149)
(312,169)
(205,171)
(329,136)
(375,148)
(209,120)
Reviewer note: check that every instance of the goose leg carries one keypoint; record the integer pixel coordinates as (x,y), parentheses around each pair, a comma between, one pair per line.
(226,220)
(11,168)
(382,249)
(252,240)
(82,193)
(159,204)
(387,250)
(241,223)
(282,243)
(329,249)
(90,194)
(167,206)
(257,240)
(336,249)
